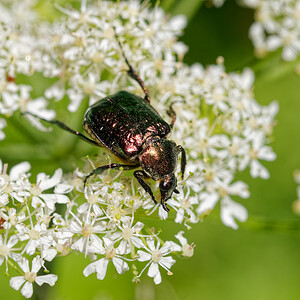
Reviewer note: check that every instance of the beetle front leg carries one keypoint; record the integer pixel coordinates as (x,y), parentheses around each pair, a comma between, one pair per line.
(66,128)
(99,170)
(140,175)
(183,160)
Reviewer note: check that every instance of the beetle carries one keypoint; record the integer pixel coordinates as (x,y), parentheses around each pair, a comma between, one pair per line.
(132,129)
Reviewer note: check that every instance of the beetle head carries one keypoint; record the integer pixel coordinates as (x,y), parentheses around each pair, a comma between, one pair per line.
(167,186)
(159,160)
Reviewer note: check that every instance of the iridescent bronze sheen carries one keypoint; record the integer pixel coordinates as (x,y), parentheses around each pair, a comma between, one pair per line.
(132,129)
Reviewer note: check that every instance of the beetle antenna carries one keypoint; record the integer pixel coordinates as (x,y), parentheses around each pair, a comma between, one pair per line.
(131,72)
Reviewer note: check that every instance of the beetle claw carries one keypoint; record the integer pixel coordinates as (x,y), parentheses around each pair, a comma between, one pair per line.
(85,180)
(165,207)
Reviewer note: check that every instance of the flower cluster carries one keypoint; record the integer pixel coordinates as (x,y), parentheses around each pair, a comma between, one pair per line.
(277,25)
(26,210)
(219,123)
(104,226)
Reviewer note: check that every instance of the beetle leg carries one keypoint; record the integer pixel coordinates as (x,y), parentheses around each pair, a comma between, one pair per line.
(133,74)
(171,113)
(183,160)
(140,175)
(67,128)
(99,170)
(165,207)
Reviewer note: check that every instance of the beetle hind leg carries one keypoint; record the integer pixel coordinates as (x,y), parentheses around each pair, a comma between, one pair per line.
(133,74)
(66,128)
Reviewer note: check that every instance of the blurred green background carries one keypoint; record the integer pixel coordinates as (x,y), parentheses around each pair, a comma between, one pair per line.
(259,261)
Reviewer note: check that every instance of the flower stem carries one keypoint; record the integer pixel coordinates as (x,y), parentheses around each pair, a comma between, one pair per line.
(14,267)
(273,225)
(273,67)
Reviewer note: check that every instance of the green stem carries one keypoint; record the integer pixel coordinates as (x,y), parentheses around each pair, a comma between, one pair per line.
(272,67)
(273,225)
(188,7)
(15,268)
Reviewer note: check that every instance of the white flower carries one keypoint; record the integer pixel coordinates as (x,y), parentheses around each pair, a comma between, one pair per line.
(100,266)
(31,276)
(156,257)
(187,249)
(257,150)
(6,248)
(129,236)
(44,183)
(38,236)
(183,204)
(229,208)
(276,25)
(2,125)
(89,242)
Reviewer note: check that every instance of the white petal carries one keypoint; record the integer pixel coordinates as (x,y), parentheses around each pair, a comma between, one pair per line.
(157,278)
(30,247)
(47,183)
(231,210)
(179,216)
(138,243)
(79,245)
(163,215)
(49,200)
(18,170)
(37,263)
(274,42)
(49,254)
(83,207)
(101,268)
(143,256)
(153,269)
(209,201)
(27,289)
(63,188)
(289,53)
(120,265)
(181,238)
(16,282)
(165,248)
(89,269)
(96,245)
(239,188)
(12,241)
(167,261)
(151,244)
(258,170)
(24,264)
(266,153)
(123,247)
(50,279)
(175,247)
